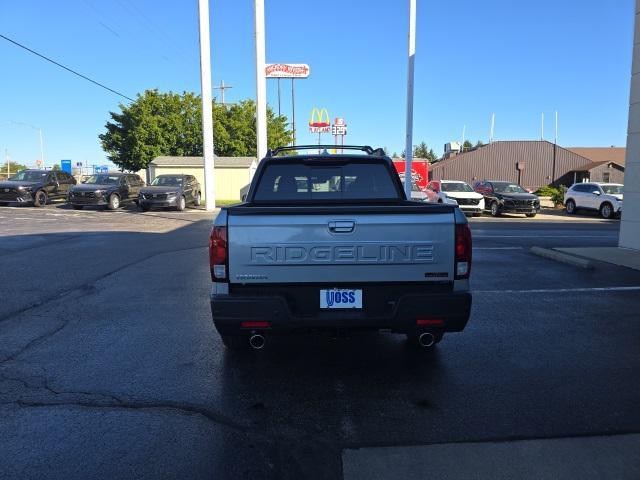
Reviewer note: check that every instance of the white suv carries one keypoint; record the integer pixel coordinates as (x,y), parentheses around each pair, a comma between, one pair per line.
(456,192)
(605,198)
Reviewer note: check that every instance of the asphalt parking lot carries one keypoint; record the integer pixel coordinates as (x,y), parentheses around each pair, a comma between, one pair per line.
(110,366)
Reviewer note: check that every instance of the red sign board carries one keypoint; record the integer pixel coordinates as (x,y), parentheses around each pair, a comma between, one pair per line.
(419,170)
(286,70)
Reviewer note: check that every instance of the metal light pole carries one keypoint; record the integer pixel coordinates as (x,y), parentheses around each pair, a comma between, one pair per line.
(410,74)
(261,81)
(41,147)
(39,134)
(207,107)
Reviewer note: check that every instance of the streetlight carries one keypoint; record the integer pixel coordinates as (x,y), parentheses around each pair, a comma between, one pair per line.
(39,134)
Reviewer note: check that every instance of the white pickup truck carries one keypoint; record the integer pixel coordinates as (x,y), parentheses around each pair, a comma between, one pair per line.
(329,242)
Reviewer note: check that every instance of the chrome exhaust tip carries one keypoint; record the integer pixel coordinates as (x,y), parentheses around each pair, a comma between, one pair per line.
(256,341)
(426,340)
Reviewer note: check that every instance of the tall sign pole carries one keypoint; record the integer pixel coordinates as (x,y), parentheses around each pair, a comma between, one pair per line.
(207,108)
(410,71)
(261,81)
(293,111)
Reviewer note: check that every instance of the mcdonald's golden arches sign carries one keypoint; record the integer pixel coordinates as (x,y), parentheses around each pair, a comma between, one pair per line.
(319,121)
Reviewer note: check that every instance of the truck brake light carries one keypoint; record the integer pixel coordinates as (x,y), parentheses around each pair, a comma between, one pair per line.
(463,251)
(218,254)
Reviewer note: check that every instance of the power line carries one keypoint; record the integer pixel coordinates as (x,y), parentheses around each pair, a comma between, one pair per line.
(66,68)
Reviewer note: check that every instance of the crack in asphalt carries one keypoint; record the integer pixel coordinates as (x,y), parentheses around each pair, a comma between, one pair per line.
(292,456)
(89,284)
(188,409)
(46,244)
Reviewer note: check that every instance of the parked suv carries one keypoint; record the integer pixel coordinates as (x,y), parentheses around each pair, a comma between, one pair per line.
(444,191)
(36,187)
(507,197)
(106,189)
(605,198)
(170,191)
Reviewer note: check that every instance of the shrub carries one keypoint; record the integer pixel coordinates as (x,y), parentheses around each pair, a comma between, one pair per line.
(558,197)
(546,191)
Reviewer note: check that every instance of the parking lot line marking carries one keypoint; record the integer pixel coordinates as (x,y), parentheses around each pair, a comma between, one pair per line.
(545,236)
(565,290)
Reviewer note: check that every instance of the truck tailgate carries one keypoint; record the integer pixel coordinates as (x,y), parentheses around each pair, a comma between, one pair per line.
(372,247)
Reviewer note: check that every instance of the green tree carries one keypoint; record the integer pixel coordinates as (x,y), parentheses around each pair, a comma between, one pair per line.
(55,167)
(13,167)
(423,151)
(171,124)
(479,143)
(234,129)
(467,145)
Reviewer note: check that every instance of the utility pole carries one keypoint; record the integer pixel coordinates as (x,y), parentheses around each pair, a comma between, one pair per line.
(278,97)
(493,125)
(222,88)
(207,107)
(464,132)
(293,111)
(408,173)
(261,81)
(555,150)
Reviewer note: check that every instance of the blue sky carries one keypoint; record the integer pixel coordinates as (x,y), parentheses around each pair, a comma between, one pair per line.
(473,58)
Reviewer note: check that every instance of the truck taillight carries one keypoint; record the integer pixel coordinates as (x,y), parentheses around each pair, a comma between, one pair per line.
(463,251)
(218,254)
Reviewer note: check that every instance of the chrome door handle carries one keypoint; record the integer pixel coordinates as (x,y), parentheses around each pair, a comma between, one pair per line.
(342,227)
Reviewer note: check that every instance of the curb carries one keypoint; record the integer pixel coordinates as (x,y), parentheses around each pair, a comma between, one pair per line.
(563,257)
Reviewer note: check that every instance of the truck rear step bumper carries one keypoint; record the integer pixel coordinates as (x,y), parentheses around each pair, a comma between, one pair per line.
(440,312)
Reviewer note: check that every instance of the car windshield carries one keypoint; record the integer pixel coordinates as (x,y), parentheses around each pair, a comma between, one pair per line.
(103,180)
(456,187)
(29,176)
(168,181)
(612,189)
(505,187)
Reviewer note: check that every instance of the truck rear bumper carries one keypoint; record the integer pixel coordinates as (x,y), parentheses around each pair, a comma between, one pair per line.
(438,312)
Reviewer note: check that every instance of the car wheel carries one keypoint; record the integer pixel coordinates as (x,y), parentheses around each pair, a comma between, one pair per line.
(182,203)
(606,210)
(40,198)
(143,207)
(570,207)
(235,342)
(197,201)
(495,209)
(531,215)
(114,202)
(77,207)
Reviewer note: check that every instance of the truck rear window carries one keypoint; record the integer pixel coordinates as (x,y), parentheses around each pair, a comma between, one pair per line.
(357,181)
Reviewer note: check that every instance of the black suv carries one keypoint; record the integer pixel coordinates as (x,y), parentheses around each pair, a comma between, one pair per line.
(106,189)
(171,191)
(36,187)
(507,197)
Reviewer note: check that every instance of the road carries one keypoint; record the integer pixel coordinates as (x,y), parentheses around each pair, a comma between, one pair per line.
(110,366)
